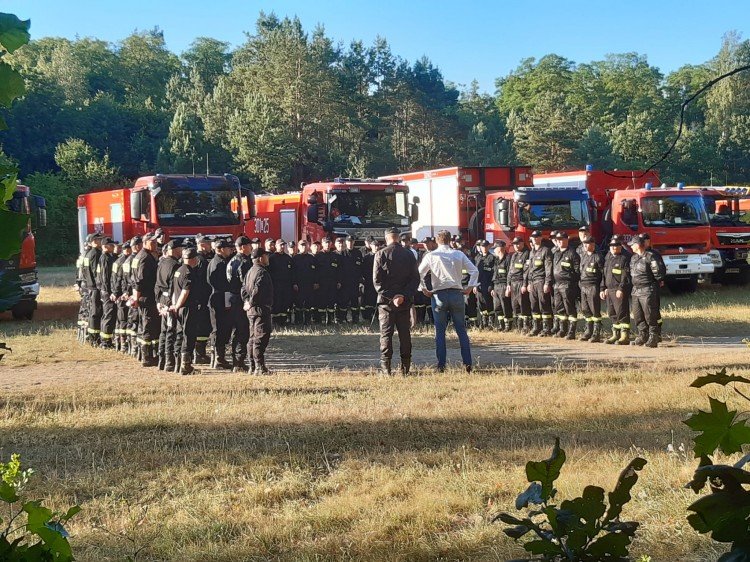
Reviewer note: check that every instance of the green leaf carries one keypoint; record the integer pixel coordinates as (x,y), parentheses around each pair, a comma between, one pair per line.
(621,494)
(8,183)
(11,84)
(516,532)
(533,494)
(509,519)
(8,493)
(611,546)
(718,430)
(540,546)
(589,507)
(546,472)
(38,515)
(718,378)
(11,226)
(14,33)
(723,514)
(71,513)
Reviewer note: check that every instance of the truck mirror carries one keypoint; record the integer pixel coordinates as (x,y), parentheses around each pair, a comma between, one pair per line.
(503,217)
(135,205)
(415,210)
(504,205)
(312,213)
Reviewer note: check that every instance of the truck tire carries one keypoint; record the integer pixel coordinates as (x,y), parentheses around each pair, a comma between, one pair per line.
(682,286)
(24,310)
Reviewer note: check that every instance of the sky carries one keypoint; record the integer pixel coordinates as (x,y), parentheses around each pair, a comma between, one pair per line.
(466,40)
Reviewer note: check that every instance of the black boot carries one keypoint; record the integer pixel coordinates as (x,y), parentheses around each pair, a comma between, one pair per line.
(508,324)
(658,332)
(562,329)
(640,338)
(221,359)
(556,327)
(536,328)
(201,357)
(596,335)
(653,337)
(186,368)
(586,336)
(405,366)
(260,367)
(385,367)
(572,325)
(241,366)
(148,357)
(546,328)
(169,363)
(161,362)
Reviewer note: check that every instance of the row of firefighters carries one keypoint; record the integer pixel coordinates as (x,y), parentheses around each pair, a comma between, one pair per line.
(129,291)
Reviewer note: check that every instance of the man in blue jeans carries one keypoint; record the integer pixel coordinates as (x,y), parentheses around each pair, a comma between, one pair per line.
(447,267)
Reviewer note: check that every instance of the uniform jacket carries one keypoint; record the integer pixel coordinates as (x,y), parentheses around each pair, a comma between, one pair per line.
(566,267)
(486,267)
(592,269)
(539,266)
(258,291)
(502,270)
(616,272)
(395,273)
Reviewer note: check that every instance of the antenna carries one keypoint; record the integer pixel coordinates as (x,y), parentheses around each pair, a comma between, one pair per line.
(207,172)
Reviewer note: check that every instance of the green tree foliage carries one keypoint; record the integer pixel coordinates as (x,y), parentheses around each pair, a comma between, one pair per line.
(81,164)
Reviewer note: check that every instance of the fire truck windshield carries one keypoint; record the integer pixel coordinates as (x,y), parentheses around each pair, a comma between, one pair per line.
(370,208)
(725,212)
(674,211)
(554,214)
(208,205)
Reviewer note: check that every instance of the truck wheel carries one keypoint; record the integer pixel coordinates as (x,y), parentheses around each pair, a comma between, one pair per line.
(23,311)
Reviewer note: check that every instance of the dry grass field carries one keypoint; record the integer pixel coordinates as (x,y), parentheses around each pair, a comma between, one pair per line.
(324,460)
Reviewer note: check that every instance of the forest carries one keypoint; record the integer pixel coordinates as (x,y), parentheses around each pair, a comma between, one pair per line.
(291,105)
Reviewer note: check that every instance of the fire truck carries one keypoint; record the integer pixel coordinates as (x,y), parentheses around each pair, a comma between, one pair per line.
(626,203)
(729,221)
(181,205)
(342,207)
(456,199)
(19,272)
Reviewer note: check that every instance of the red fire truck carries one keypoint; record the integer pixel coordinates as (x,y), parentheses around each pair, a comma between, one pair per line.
(181,205)
(342,207)
(19,272)
(455,198)
(625,203)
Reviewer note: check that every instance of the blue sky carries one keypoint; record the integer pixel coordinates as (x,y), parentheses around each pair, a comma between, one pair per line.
(481,39)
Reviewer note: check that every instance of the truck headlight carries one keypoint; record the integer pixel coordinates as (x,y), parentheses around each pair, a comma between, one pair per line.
(714,257)
(30,277)
(706,260)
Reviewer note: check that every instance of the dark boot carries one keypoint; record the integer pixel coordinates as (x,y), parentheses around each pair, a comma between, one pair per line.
(614,337)
(658,332)
(221,359)
(253,369)
(177,358)
(186,368)
(624,337)
(385,367)
(640,338)
(405,366)
(201,357)
(148,357)
(241,365)
(508,324)
(260,367)
(653,338)
(596,335)
(161,362)
(133,347)
(562,328)
(546,327)
(571,330)
(586,335)
(169,363)
(536,328)
(522,325)
(556,328)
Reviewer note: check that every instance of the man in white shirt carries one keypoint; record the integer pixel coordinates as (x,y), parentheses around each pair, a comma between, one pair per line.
(446,267)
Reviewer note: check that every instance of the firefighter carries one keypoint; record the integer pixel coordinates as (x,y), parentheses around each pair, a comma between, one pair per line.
(202,292)
(646,275)
(357,290)
(107,293)
(616,286)
(281,268)
(168,265)
(220,308)
(94,304)
(538,283)
(591,274)
(502,306)
(350,275)
(369,294)
(144,299)
(257,294)
(470,300)
(83,312)
(184,309)
(583,233)
(329,279)
(662,268)
(119,288)
(518,294)
(237,269)
(486,264)
(270,245)
(306,280)
(565,272)
(129,267)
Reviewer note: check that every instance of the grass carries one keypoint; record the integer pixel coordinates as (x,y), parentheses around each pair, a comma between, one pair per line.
(341,464)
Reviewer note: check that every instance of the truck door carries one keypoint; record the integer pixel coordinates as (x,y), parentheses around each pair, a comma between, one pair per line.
(82,227)
(288,224)
(115,217)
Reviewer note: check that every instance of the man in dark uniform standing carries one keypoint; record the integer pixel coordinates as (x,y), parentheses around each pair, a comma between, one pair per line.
(355,262)
(518,293)
(94,307)
(350,275)
(257,294)
(184,308)
(646,276)
(486,263)
(165,271)
(201,292)
(128,273)
(329,278)
(369,294)
(616,286)
(119,288)
(220,309)
(538,282)
(104,284)
(565,271)
(592,270)
(501,304)
(663,271)
(306,280)
(396,278)
(237,269)
(144,299)
(281,268)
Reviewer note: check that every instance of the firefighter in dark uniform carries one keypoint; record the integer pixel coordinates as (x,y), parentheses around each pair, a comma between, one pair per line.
(107,293)
(356,256)
(144,299)
(119,288)
(94,306)
(128,287)
(471,298)
(662,269)
(202,292)
(257,294)
(538,282)
(281,268)
(486,264)
(616,287)
(306,280)
(592,271)
(518,294)
(369,294)
(502,305)
(329,279)
(165,271)
(566,271)
(429,245)
(83,291)
(646,275)
(184,309)
(237,269)
(219,308)
(350,275)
